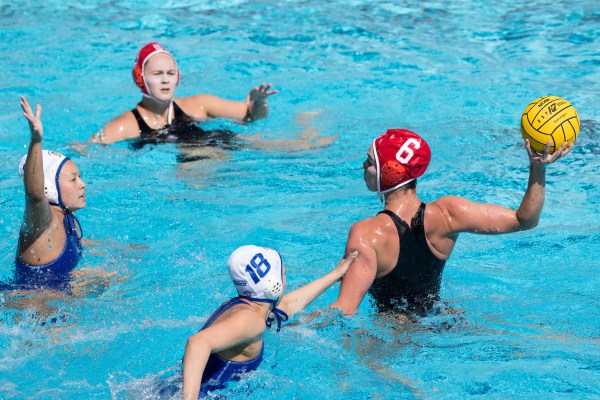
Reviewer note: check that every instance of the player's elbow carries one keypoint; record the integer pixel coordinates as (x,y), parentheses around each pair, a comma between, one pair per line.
(527,222)
(195,343)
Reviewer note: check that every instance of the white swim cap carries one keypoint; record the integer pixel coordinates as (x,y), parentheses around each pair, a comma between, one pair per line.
(257,273)
(53,163)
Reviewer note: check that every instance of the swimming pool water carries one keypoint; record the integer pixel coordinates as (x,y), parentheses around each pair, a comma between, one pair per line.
(460,74)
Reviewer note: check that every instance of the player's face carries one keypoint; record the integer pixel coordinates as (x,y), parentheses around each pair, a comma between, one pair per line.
(160,75)
(72,187)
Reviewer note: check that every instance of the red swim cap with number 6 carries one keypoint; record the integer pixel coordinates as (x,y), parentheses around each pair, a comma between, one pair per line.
(401,156)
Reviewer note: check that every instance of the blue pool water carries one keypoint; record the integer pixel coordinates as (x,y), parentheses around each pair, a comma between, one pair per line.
(460,74)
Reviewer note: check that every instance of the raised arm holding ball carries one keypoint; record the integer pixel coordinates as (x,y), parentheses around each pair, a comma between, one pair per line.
(403,249)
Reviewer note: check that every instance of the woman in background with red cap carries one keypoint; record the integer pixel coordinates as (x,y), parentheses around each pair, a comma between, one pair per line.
(159,117)
(403,249)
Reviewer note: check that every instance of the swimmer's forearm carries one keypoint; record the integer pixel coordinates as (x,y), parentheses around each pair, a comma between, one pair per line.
(194,362)
(531,206)
(299,299)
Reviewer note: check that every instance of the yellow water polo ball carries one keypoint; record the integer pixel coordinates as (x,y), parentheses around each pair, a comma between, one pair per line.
(549,119)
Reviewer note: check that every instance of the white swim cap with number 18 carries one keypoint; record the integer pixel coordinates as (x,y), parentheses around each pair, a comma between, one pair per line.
(257,273)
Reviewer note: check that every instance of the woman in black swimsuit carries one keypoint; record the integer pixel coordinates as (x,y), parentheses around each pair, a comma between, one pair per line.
(159,117)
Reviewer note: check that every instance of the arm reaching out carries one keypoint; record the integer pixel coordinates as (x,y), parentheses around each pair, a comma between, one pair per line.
(298,299)
(460,215)
(203,106)
(37,209)
(257,102)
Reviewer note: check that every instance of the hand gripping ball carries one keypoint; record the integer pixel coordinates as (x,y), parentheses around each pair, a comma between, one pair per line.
(549,118)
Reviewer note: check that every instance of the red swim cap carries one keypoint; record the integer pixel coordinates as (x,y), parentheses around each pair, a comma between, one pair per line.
(401,156)
(143,56)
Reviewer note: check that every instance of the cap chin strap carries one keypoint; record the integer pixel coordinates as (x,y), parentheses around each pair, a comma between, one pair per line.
(279,315)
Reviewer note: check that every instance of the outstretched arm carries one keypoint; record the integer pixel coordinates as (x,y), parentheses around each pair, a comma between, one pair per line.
(37,209)
(204,106)
(298,299)
(123,127)
(460,215)
(242,327)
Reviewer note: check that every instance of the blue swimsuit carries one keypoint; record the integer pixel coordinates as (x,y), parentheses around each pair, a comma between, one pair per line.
(54,275)
(219,371)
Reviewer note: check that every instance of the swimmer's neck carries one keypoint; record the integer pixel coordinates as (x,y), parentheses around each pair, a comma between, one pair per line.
(264,309)
(155,106)
(402,199)
(60,210)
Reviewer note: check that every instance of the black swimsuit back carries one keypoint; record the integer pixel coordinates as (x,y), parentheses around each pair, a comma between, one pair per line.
(414,283)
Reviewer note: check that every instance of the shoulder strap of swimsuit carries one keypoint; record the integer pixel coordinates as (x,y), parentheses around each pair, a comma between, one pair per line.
(72,225)
(177,111)
(224,307)
(142,125)
(394,217)
(418,225)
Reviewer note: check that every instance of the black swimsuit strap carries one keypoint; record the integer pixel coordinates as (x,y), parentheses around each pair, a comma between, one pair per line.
(178,113)
(417,224)
(142,125)
(394,217)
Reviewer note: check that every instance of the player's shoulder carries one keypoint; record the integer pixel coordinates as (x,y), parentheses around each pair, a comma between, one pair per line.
(369,226)
(445,202)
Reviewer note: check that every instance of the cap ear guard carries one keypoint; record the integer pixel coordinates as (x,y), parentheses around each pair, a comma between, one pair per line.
(392,172)
(137,77)
(273,289)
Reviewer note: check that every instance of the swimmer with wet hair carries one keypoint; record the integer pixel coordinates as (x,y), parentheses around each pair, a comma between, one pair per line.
(50,237)
(231,341)
(159,117)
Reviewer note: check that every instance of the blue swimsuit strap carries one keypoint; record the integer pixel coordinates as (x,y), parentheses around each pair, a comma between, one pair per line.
(224,307)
